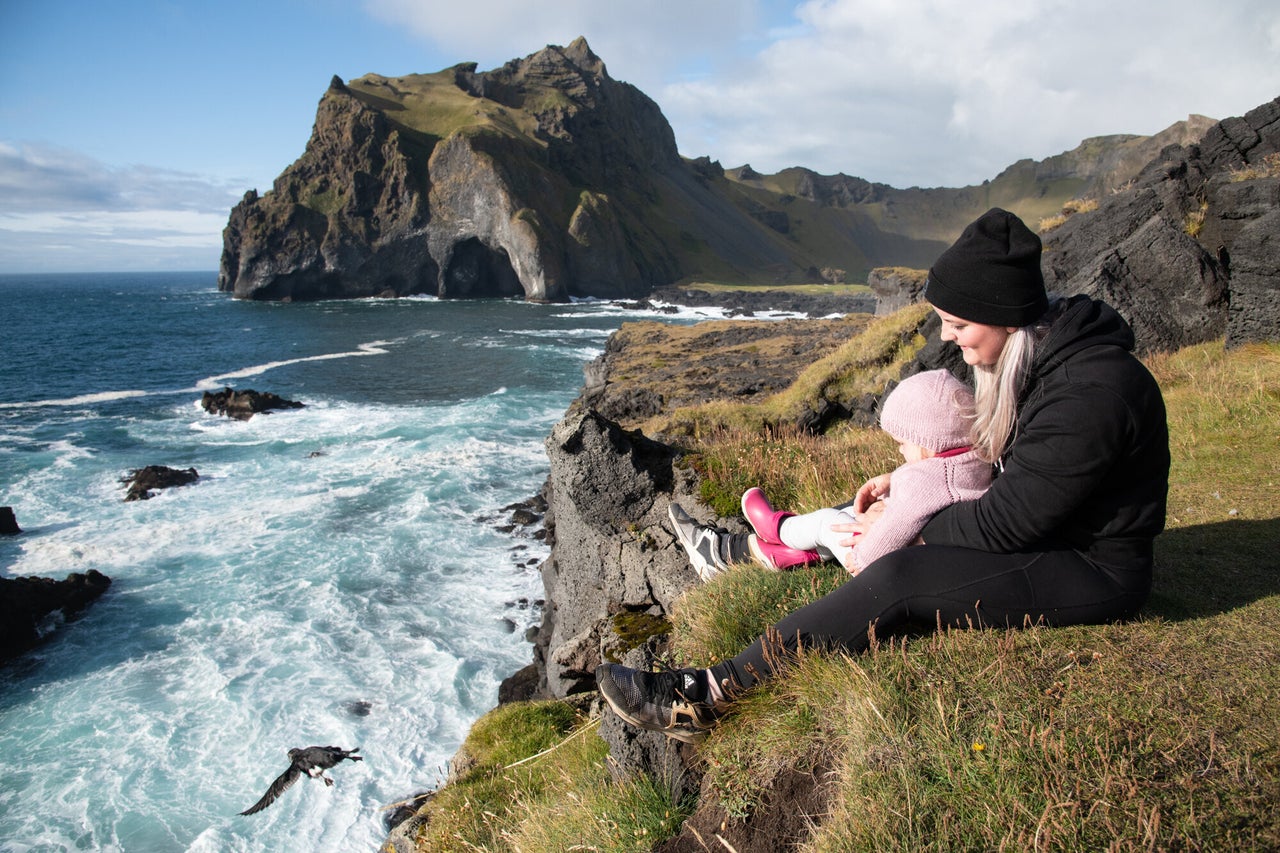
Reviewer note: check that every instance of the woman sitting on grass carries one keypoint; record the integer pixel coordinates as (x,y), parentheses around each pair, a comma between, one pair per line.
(929,415)
(1074,426)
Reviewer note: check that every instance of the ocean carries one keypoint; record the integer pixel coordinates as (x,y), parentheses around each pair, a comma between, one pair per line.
(340,573)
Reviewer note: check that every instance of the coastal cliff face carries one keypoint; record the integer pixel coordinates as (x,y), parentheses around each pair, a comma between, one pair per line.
(517,181)
(547,179)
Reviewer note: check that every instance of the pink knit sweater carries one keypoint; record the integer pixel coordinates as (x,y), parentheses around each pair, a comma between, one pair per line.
(916,491)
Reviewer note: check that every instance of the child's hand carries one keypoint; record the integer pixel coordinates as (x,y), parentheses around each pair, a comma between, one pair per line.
(871,515)
(875,489)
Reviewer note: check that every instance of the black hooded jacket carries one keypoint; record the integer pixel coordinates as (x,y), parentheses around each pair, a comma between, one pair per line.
(1088,468)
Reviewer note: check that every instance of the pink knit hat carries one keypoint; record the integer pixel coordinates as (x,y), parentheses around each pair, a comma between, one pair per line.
(932,409)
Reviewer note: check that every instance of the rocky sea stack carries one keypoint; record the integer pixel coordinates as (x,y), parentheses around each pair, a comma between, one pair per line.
(529,180)
(546,179)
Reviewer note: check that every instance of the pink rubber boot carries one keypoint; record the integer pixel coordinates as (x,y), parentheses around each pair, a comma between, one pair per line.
(764,519)
(778,557)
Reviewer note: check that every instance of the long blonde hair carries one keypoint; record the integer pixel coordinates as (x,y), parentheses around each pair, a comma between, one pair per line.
(997,388)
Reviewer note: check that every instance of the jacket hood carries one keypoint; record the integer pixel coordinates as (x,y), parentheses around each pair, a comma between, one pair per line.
(1084,322)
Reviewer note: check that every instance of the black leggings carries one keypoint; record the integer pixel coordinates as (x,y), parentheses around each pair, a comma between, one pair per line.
(922,585)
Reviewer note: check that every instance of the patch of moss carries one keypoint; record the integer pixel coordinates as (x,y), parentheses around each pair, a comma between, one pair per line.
(635,627)
(327,202)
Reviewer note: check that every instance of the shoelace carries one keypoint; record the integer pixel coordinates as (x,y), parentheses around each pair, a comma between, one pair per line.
(669,683)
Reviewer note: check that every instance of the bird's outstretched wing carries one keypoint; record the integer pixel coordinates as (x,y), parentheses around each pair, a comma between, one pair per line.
(278,787)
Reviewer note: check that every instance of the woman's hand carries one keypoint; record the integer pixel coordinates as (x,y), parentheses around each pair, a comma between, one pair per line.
(856,529)
(861,526)
(875,489)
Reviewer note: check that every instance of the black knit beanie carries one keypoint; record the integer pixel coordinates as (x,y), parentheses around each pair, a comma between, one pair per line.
(991,274)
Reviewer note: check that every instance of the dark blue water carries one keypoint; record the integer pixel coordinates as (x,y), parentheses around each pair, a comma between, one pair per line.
(336,576)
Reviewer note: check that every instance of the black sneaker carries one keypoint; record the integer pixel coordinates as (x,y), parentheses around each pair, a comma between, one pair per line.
(674,702)
(701,543)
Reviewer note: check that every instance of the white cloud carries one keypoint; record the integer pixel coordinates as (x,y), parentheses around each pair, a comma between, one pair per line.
(64,211)
(907,92)
(50,178)
(932,92)
(159,228)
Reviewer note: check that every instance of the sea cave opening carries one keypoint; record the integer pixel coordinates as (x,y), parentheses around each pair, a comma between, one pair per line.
(476,271)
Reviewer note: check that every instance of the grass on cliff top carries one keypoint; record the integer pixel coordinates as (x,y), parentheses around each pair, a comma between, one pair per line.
(1162,733)
(536,778)
(864,365)
(433,105)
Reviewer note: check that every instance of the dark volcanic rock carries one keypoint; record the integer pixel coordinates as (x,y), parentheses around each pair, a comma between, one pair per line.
(8,522)
(142,481)
(29,607)
(520,687)
(1254,314)
(378,204)
(242,405)
(608,492)
(1188,253)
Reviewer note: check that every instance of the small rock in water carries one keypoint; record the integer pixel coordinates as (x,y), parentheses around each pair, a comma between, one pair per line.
(242,405)
(141,481)
(8,522)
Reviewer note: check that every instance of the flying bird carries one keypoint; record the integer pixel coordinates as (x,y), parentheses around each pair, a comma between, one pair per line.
(313,761)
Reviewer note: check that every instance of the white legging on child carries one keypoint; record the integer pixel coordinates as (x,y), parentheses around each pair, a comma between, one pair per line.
(812,531)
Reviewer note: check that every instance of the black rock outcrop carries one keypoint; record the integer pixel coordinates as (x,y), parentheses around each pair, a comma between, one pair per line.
(1189,253)
(30,607)
(608,493)
(143,481)
(242,405)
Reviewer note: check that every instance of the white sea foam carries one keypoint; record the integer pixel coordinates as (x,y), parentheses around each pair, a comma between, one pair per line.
(81,400)
(208,383)
(371,348)
(336,575)
(252,611)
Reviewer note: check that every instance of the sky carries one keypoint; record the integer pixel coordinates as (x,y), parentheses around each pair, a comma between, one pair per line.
(129,129)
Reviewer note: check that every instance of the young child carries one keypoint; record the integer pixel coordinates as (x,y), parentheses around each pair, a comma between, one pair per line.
(929,415)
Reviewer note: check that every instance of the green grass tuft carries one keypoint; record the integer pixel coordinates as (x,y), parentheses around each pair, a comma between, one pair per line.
(536,779)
